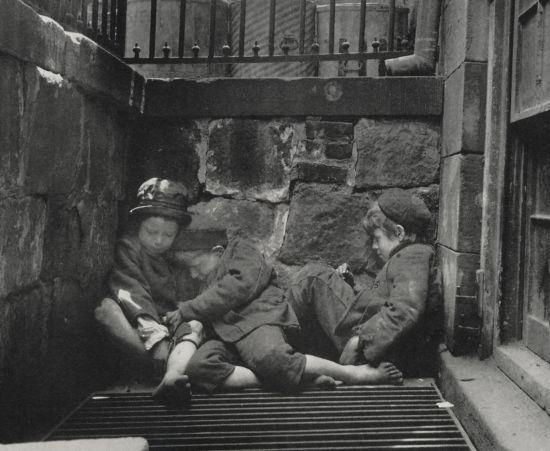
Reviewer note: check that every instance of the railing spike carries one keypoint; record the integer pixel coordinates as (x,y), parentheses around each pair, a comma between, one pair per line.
(195,49)
(256,48)
(136,50)
(226,49)
(315,46)
(166,50)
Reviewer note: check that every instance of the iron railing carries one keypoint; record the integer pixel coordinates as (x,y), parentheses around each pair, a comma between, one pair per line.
(103,21)
(385,47)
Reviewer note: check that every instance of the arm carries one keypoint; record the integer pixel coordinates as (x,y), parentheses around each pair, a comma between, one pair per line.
(245,275)
(128,284)
(407,279)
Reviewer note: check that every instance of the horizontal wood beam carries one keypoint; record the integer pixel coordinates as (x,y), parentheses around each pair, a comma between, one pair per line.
(269,97)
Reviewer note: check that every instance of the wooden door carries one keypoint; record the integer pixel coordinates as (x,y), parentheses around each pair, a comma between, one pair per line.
(536,314)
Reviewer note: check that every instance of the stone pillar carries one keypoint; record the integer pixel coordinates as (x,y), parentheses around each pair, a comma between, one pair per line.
(463,63)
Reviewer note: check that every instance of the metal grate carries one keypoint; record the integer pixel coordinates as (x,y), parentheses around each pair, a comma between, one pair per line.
(407,417)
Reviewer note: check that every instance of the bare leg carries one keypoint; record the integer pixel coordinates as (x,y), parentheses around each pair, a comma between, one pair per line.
(241,378)
(175,387)
(385,373)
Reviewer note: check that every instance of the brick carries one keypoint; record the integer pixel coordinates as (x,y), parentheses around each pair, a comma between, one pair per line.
(464,118)
(328,130)
(397,152)
(22,223)
(319,173)
(458,272)
(339,149)
(250,159)
(460,208)
(314,148)
(324,224)
(464,35)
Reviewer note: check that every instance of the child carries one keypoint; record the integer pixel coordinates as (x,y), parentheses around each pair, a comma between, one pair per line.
(247,318)
(396,319)
(145,283)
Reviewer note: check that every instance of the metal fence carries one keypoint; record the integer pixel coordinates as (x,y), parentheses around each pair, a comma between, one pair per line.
(103,21)
(385,47)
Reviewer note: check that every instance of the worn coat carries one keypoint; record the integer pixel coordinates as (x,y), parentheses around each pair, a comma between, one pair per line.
(241,296)
(401,312)
(144,284)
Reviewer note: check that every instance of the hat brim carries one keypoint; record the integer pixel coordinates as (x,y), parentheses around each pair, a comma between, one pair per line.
(183,217)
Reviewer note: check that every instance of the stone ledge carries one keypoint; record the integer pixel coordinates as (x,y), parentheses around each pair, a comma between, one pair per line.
(494,411)
(39,40)
(354,96)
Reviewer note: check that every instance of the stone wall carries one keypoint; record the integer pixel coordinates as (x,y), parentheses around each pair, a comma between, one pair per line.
(298,186)
(463,62)
(65,115)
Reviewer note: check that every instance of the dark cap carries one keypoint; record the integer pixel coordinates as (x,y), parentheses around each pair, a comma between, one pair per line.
(405,209)
(163,198)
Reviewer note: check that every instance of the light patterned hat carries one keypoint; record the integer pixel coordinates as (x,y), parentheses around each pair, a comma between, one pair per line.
(164,198)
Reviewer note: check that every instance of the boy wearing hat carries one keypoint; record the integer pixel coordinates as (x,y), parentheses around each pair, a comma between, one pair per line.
(395,320)
(146,282)
(247,320)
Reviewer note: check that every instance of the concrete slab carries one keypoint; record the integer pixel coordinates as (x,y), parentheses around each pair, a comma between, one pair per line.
(495,412)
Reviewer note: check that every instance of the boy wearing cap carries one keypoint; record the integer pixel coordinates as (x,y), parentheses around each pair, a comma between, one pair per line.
(247,319)
(146,282)
(395,320)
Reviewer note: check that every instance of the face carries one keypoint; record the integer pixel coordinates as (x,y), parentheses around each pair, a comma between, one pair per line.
(203,264)
(383,244)
(156,234)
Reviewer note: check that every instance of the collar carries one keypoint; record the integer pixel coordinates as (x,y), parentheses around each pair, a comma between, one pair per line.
(400,246)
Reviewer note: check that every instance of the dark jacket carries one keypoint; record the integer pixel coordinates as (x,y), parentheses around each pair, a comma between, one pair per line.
(154,283)
(241,296)
(400,312)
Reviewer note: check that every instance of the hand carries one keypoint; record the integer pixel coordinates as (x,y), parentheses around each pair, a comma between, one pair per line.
(173,320)
(351,354)
(342,269)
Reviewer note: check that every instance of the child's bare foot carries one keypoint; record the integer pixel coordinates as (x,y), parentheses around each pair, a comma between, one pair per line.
(385,373)
(174,389)
(324,382)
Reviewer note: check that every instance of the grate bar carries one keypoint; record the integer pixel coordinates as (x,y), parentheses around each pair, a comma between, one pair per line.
(345,418)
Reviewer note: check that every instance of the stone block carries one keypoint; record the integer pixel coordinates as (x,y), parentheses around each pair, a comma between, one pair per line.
(250,159)
(339,150)
(464,35)
(464,106)
(459,299)
(324,224)
(262,223)
(22,223)
(97,71)
(104,148)
(319,172)
(11,87)
(31,37)
(328,130)
(430,195)
(403,153)
(461,203)
(52,133)
(159,148)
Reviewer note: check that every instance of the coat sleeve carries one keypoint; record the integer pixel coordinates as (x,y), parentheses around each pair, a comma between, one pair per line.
(245,275)
(128,285)
(407,281)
